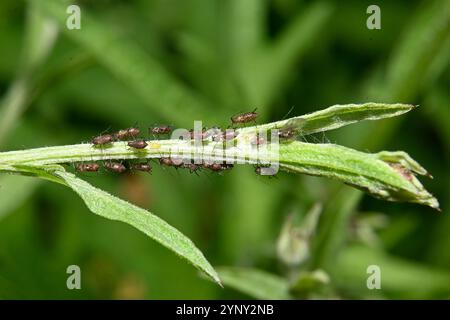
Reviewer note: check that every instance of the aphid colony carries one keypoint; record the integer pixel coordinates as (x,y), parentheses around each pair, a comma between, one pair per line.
(130,135)
(118,167)
(112,166)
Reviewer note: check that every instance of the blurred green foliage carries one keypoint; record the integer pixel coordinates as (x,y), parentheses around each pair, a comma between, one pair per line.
(175,61)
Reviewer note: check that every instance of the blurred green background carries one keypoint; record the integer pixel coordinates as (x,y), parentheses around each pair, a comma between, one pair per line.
(176,61)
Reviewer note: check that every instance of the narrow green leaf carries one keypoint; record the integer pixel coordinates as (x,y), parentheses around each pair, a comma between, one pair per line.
(392,180)
(110,207)
(337,116)
(255,283)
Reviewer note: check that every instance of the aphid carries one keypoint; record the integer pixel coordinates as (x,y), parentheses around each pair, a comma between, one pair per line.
(121,134)
(217,137)
(218,166)
(225,135)
(115,167)
(87,167)
(160,130)
(266,171)
(292,128)
(138,144)
(103,139)
(169,162)
(229,135)
(127,133)
(287,133)
(166,162)
(244,117)
(204,134)
(257,140)
(145,167)
(133,132)
(196,135)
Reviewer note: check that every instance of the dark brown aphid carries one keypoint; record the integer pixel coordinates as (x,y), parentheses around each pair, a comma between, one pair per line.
(127,133)
(217,167)
(266,171)
(87,167)
(115,167)
(137,144)
(145,167)
(103,139)
(244,117)
(160,130)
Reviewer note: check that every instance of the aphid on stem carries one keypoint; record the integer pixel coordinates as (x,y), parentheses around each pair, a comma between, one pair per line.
(166,162)
(287,133)
(127,133)
(257,140)
(138,144)
(266,171)
(145,167)
(87,167)
(217,167)
(115,167)
(160,130)
(244,117)
(103,139)
(226,135)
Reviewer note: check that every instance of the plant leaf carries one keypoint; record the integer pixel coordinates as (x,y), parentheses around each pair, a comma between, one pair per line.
(337,116)
(256,283)
(392,180)
(110,207)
